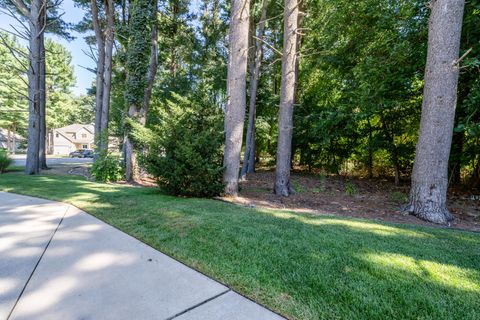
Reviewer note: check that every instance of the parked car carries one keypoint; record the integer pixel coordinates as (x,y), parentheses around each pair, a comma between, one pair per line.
(82,153)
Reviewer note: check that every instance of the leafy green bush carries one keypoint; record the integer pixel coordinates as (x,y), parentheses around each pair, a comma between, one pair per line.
(298,187)
(398,197)
(350,189)
(107,168)
(5,160)
(184,152)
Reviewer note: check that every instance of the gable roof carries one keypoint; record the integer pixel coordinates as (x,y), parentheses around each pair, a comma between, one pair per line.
(77,127)
(74,128)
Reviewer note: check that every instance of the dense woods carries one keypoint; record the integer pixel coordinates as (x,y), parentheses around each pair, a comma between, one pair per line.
(370,88)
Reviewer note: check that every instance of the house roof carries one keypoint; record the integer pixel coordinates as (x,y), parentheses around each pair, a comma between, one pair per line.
(74,128)
(77,127)
(4,135)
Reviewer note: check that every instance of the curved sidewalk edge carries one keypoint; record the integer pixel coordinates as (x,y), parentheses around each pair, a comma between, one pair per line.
(59,262)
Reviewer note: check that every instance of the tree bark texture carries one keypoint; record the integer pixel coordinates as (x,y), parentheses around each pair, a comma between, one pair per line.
(248,165)
(131,166)
(104,37)
(428,194)
(141,71)
(107,74)
(14,139)
(152,68)
(9,140)
(43,106)
(100,39)
(287,98)
(36,34)
(236,93)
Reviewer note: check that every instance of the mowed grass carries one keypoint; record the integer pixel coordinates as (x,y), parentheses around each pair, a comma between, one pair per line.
(302,266)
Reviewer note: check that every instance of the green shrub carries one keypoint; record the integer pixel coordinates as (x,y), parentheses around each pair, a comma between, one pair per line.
(350,189)
(398,197)
(107,168)
(316,190)
(298,187)
(185,155)
(5,161)
(322,177)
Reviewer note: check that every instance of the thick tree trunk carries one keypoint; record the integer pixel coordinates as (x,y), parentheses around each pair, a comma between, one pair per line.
(428,195)
(36,32)
(131,166)
(287,98)
(138,104)
(152,68)
(249,156)
(236,93)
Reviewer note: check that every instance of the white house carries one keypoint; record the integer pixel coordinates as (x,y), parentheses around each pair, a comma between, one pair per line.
(64,140)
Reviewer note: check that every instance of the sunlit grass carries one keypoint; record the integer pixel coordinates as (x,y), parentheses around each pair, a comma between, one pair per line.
(439,273)
(369,227)
(301,265)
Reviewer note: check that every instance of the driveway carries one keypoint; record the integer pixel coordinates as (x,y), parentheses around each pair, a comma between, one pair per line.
(61,263)
(19,160)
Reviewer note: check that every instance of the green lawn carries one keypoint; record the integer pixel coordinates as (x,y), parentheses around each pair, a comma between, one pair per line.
(303,266)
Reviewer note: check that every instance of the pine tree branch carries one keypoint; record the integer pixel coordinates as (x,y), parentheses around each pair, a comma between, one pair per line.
(22,7)
(268,45)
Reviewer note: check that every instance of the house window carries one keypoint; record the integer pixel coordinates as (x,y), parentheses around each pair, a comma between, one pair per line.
(84,135)
(85,146)
(57,135)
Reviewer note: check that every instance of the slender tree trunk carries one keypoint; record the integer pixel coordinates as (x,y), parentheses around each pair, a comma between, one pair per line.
(456,158)
(236,93)
(43,106)
(476,173)
(131,166)
(397,173)
(287,98)
(249,156)
(253,145)
(428,195)
(107,74)
(14,139)
(100,39)
(36,32)
(370,149)
(9,141)
(392,148)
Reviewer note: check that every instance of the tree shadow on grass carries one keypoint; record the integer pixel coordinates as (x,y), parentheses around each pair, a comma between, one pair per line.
(305,266)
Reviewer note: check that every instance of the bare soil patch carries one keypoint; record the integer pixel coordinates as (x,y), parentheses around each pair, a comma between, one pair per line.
(377,199)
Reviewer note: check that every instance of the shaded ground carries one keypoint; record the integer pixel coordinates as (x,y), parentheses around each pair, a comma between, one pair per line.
(372,199)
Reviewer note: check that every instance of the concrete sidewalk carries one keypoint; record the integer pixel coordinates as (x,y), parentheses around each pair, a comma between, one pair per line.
(58,262)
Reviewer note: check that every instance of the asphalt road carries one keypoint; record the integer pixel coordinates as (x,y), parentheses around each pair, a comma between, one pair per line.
(19,160)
